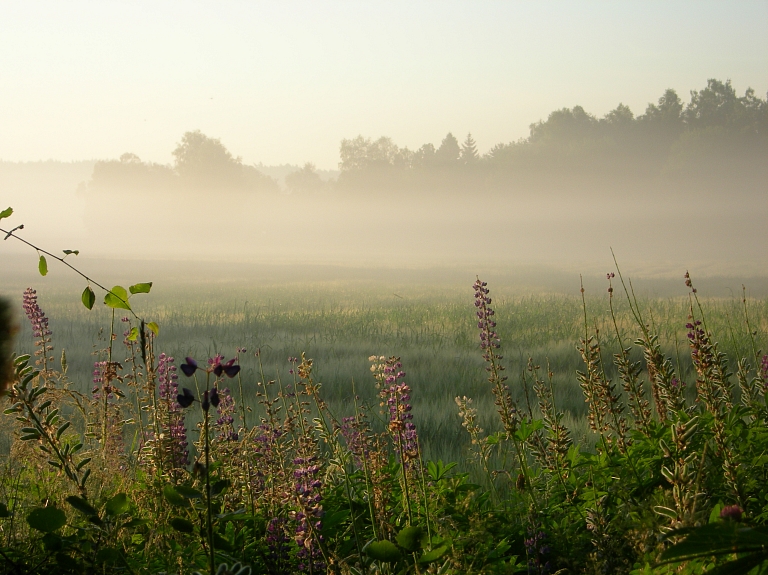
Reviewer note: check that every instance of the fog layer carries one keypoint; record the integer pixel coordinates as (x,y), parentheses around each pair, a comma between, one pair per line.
(683,185)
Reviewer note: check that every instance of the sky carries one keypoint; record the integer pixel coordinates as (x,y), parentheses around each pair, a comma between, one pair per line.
(285,82)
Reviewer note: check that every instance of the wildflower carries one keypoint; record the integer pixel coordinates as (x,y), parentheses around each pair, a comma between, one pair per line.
(225,408)
(185,398)
(307,488)
(537,550)
(215,366)
(189,368)
(98,367)
(36,315)
(489,342)
(731,513)
(40,328)
(229,368)
(277,542)
(167,391)
(396,395)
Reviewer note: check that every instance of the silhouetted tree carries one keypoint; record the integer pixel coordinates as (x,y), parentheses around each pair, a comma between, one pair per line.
(563,126)
(425,157)
(304,180)
(205,161)
(469,153)
(668,112)
(363,154)
(449,151)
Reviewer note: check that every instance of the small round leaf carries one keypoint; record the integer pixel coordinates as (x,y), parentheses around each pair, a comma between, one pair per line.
(182,525)
(46,519)
(383,551)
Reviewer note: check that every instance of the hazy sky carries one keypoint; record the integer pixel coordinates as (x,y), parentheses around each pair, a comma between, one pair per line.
(286,81)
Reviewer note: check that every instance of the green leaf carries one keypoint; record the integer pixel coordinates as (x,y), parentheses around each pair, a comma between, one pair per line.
(141,288)
(382,551)
(720,538)
(410,538)
(134,335)
(67,252)
(46,519)
(182,525)
(527,429)
(117,505)
(433,555)
(221,543)
(135,523)
(117,298)
(666,511)
(81,505)
(740,566)
(437,470)
(6,213)
(334,518)
(88,298)
(42,266)
(108,556)
(62,429)
(188,492)
(52,542)
(154,328)
(174,497)
(714,515)
(219,486)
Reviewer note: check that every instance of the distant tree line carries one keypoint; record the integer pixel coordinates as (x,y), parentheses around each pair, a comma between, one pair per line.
(200,162)
(716,134)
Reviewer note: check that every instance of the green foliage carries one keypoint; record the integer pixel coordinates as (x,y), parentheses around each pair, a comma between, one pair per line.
(46,519)
(677,483)
(8,331)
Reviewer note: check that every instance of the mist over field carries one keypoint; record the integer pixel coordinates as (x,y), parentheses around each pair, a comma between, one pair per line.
(683,185)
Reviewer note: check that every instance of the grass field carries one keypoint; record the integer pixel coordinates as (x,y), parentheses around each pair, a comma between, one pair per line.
(111,467)
(431,326)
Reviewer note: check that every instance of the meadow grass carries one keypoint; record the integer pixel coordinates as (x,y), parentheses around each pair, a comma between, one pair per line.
(289,475)
(432,329)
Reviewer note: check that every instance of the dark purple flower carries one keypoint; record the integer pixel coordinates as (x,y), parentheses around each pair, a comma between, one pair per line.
(229,368)
(215,397)
(185,398)
(731,513)
(189,367)
(205,403)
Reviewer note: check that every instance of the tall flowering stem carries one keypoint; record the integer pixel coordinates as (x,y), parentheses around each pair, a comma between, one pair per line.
(40,329)
(489,343)
(217,368)
(666,389)
(629,373)
(756,387)
(605,407)
(395,396)
(714,389)
(558,440)
(306,475)
(174,432)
